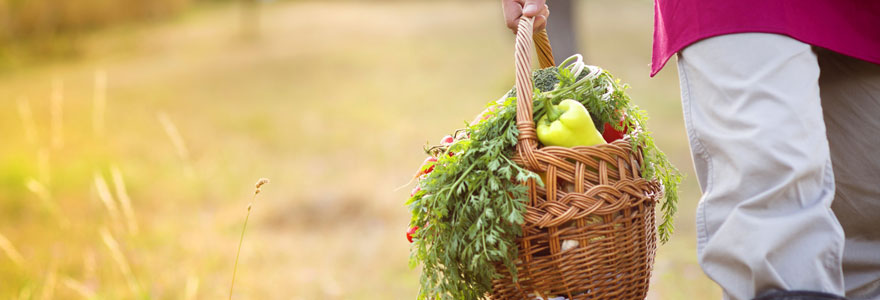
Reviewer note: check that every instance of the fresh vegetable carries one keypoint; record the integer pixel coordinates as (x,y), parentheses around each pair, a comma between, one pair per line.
(612,134)
(615,132)
(427,166)
(475,201)
(569,244)
(415,191)
(447,140)
(567,125)
(409,233)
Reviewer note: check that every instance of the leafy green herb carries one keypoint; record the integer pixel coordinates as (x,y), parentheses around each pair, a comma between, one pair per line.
(471,211)
(470,208)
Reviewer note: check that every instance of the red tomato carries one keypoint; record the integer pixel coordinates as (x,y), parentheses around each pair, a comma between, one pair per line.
(612,134)
(410,232)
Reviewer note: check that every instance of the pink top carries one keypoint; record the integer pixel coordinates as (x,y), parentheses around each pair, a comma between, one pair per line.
(850,27)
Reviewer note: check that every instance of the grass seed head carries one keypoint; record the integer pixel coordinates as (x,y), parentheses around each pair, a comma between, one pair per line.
(257,190)
(261,182)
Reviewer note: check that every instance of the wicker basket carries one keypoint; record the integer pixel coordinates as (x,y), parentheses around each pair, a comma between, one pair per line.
(589,233)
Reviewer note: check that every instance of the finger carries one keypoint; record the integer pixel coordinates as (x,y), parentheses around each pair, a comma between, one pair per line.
(541,19)
(533,7)
(540,23)
(512,10)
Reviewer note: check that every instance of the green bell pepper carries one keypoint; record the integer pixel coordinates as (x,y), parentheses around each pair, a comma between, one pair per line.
(567,125)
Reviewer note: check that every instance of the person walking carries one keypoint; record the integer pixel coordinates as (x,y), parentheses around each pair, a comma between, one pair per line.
(781,103)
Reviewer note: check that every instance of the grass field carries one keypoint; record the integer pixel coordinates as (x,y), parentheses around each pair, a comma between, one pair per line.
(332,102)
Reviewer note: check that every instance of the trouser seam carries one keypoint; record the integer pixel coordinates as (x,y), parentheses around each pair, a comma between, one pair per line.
(698,146)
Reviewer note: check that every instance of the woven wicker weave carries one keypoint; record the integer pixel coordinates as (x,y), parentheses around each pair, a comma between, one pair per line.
(595,205)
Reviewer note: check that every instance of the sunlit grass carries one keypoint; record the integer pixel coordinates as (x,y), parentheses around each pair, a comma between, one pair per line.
(168,124)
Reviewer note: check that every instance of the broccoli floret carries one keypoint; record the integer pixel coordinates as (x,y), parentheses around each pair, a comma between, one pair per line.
(544,79)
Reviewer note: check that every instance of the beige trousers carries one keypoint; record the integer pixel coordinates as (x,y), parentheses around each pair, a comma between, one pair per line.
(785,139)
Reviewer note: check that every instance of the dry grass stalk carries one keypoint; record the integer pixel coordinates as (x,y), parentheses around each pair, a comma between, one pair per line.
(56,110)
(124,200)
(176,139)
(46,199)
(27,120)
(120,260)
(106,198)
(78,287)
(11,252)
(100,103)
(51,280)
(257,190)
(192,287)
(37,188)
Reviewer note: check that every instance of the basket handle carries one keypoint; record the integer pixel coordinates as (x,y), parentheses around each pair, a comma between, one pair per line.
(545,52)
(528,138)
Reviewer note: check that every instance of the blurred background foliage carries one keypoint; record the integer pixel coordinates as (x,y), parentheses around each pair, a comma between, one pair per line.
(40,29)
(131,133)
(34,18)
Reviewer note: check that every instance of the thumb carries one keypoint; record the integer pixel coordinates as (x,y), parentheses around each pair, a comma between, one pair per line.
(533,7)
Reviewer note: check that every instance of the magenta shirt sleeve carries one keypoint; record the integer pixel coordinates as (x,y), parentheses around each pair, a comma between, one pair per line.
(850,27)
